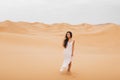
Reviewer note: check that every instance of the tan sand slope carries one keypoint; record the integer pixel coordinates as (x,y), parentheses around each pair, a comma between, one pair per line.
(33,51)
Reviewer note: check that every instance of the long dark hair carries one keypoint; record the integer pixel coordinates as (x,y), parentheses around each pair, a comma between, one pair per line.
(66,39)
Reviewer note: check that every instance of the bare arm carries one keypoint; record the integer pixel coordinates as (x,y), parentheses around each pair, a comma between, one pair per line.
(73,47)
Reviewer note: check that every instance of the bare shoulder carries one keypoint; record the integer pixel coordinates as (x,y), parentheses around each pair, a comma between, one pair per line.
(73,41)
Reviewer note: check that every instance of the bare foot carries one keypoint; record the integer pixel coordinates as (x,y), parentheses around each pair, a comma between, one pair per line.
(69,70)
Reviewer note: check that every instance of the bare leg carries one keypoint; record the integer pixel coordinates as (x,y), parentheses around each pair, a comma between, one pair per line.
(69,67)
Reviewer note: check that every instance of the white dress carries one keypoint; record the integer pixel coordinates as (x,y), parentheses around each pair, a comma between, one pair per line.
(67,56)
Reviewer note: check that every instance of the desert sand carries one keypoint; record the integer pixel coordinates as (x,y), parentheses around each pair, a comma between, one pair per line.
(34,51)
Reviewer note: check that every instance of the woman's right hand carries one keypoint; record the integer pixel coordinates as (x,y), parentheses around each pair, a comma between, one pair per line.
(72,55)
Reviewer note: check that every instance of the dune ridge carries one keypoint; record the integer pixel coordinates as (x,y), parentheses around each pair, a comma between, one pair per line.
(24,27)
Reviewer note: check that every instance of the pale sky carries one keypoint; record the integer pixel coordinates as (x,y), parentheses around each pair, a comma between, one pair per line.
(61,11)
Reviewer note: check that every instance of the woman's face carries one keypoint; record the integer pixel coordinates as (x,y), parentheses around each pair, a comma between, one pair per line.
(68,35)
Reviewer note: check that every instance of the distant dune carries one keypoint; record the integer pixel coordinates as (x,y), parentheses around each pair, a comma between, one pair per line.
(33,51)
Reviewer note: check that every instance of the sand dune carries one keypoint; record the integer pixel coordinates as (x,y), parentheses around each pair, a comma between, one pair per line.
(33,51)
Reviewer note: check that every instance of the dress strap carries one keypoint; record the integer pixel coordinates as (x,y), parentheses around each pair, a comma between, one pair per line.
(71,41)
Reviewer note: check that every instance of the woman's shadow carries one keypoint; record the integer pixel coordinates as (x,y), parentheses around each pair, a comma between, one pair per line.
(69,75)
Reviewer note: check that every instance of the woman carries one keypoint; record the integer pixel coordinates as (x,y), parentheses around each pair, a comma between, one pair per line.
(68,45)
